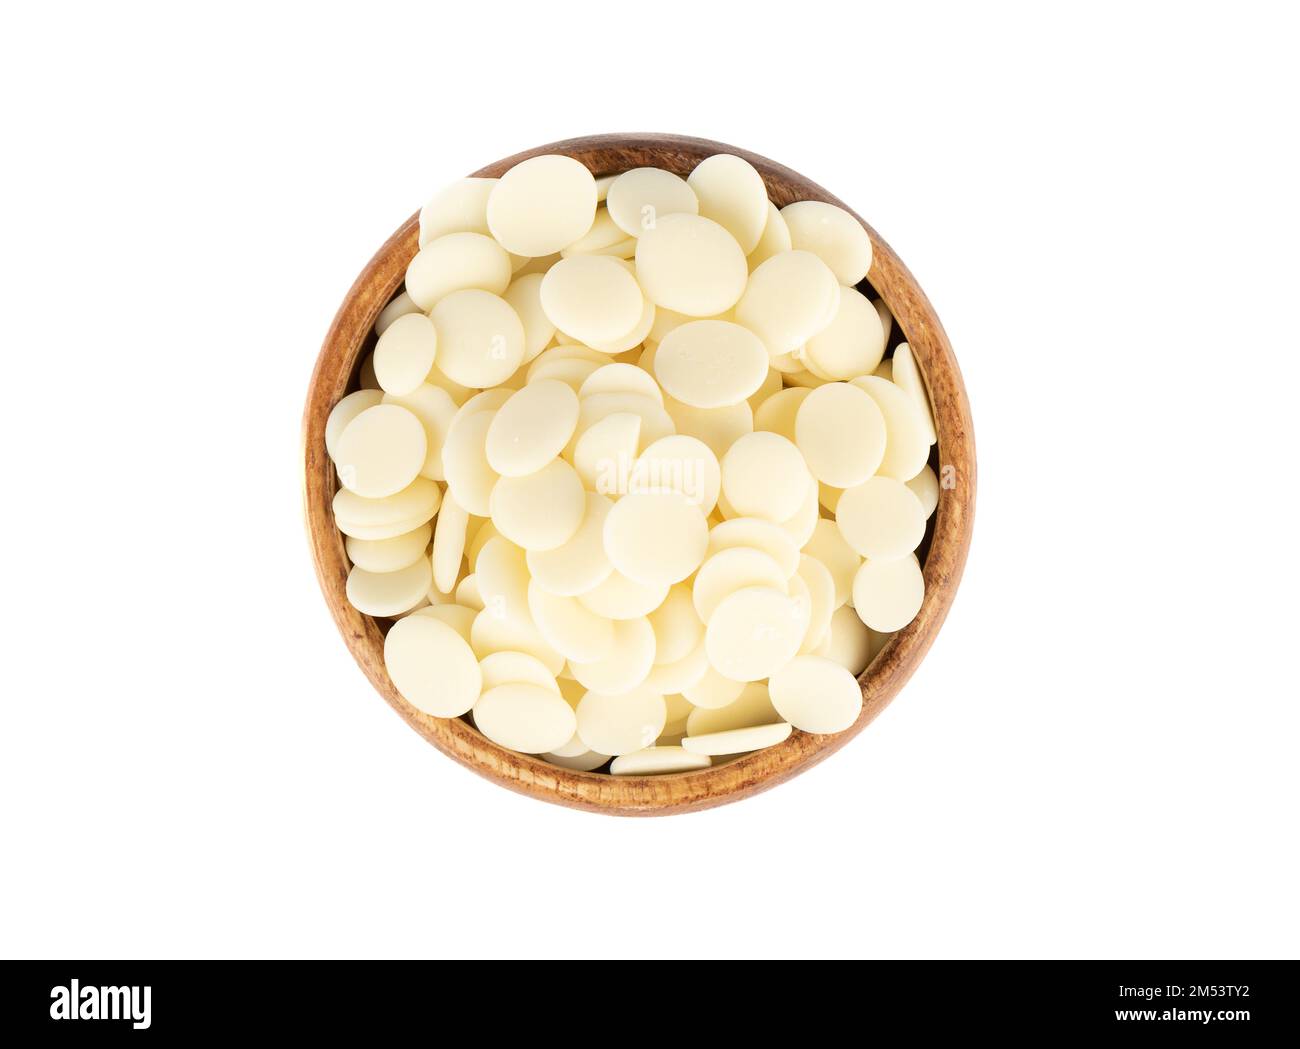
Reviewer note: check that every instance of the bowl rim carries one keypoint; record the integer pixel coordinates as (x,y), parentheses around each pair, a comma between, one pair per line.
(883,678)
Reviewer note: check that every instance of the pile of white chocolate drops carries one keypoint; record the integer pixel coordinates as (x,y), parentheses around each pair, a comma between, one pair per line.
(629,467)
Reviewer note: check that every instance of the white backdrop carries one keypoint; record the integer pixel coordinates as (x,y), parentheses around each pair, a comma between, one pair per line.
(1098,756)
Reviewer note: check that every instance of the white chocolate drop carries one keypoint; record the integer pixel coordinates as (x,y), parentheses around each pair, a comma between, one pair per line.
(690,264)
(755,632)
(431,665)
(711,364)
(907,377)
(621,724)
(508,668)
(852,344)
(656,538)
(790,298)
(449,544)
(389,593)
(531,428)
(453,263)
(526,226)
(832,234)
(732,194)
(881,519)
(541,511)
(752,707)
(640,197)
(405,353)
(344,412)
(738,740)
(524,717)
(925,486)
(592,298)
(816,694)
(655,761)
(829,546)
(381,451)
(888,594)
(525,297)
(764,475)
(841,432)
(458,208)
(730,570)
(480,338)
(389,555)
(755,532)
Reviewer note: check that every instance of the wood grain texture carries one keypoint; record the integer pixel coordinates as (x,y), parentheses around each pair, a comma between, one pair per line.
(350,336)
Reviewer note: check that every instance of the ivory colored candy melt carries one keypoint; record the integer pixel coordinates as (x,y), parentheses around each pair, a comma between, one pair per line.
(540,511)
(679,463)
(907,377)
(732,194)
(524,717)
(344,412)
(389,593)
(638,198)
(531,428)
(525,297)
(415,503)
(888,594)
(658,760)
(389,555)
(738,740)
(833,235)
(470,478)
(455,262)
(816,694)
(790,298)
(480,338)
(764,475)
(592,298)
(754,632)
(730,570)
(656,538)
(621,724)
(381,451)
(711,364)
(925,486)
(841,432)
(752,707)
(460,207)
(542,205)
(399,307)
(449,544)
(761,535)
(677,627)
(881,519)
(852,344)
(432,666)
(690,264)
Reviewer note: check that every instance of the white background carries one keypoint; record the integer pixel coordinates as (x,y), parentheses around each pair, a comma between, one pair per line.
(1097,759)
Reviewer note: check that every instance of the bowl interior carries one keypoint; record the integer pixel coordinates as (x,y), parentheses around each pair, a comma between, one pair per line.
(942,552)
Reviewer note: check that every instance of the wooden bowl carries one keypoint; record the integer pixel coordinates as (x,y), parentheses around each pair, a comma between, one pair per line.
(944,552)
